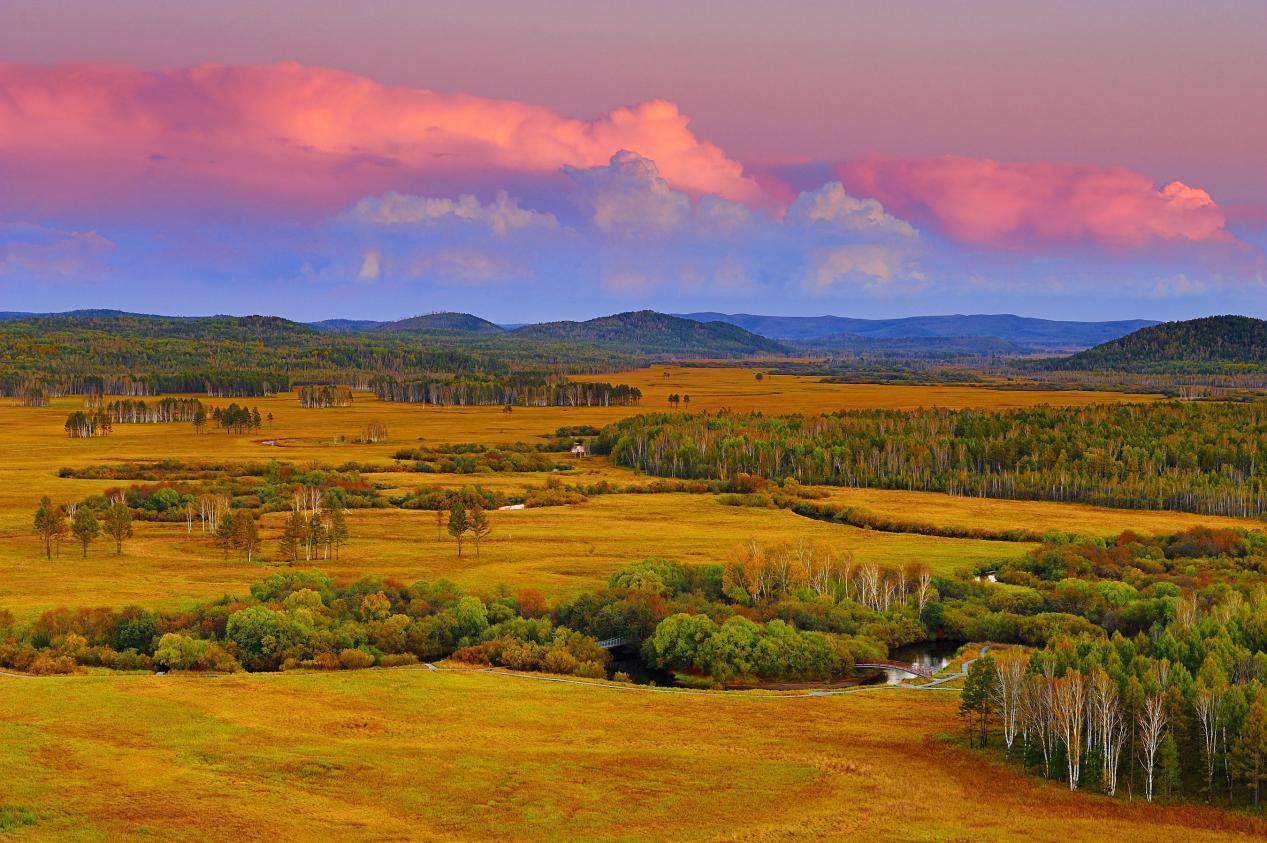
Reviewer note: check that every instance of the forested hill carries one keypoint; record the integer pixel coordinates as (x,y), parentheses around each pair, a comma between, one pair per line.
(1213,342)
(448,322)
(657,333)
(1034,333)
(133,354)
(270,330)
(462,323)
(643,333)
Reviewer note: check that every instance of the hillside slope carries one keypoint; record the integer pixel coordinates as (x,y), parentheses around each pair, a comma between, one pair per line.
(649,332)
(1035,333)
(1212,342)
(463,323)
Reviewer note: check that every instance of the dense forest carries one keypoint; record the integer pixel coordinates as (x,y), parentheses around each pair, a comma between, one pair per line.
(1197,457)
(1165,697)
(253,356)
(529,389)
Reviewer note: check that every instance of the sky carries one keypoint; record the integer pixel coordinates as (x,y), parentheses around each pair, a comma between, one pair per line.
(531,161)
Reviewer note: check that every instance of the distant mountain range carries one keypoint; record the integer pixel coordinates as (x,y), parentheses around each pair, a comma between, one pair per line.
(1035,334)
(643,332)
(1135,344)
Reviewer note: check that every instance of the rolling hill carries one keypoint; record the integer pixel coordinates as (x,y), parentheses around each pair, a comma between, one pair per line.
(463,323)
(648,332)
(1041,334)
(1212,342)
(916,347)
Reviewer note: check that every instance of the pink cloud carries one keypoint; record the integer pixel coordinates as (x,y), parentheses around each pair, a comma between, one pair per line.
(88,136)
(1034,204)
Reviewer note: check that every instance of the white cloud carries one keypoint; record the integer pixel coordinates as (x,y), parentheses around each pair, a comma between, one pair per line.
(628,196)
(501,215)
(716,214)
(874,267)
(831,208)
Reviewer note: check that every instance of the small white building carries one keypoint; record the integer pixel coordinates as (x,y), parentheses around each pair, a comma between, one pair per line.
(578,450)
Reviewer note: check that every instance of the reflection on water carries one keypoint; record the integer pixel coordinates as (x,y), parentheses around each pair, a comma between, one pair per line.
(932,655)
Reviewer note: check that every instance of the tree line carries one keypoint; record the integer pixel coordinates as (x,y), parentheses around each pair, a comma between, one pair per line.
(531,390)
(325,395)
(1197,457)
(161,411)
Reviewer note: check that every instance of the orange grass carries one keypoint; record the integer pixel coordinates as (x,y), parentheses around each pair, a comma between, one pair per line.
(439,755)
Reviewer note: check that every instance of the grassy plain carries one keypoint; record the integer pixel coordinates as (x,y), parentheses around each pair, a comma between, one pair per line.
(561,550)
(416,754)
(413,754)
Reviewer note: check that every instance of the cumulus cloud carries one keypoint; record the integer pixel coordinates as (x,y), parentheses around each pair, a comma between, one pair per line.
(501,215)
(39,252)
(831,208)
(990,204)
(73,136)
(629,196)
(874,267)
(718,215)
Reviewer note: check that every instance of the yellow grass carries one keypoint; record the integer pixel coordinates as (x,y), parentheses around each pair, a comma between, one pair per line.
(561,550)
(415,754)
(737,388)
(438,755)
(993,514)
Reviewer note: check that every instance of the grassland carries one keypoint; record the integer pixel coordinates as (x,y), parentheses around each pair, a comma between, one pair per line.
(416,754)
(442,755)
(561,550)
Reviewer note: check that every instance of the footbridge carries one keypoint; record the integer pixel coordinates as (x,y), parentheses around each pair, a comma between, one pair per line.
(903,667)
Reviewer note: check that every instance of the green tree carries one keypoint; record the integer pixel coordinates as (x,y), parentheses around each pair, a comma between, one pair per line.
(294,535)
(317,535)
(118,525)
(85,527)
(679,641)
(245,533)
(1168,770)
(50,524)
(470,617)
(459,524)
(336,522)
(976,703)
(224,533)
(480,528)
(1249,758)
(262,636)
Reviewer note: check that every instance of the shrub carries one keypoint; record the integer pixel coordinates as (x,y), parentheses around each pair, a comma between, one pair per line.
(179,652)
(355,659)
(591,670)
(398,660)
(559,660)
(326,660)
(47,665)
